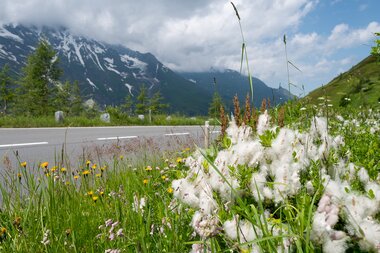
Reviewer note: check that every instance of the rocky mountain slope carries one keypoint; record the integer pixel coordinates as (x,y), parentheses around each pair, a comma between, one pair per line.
(108,73)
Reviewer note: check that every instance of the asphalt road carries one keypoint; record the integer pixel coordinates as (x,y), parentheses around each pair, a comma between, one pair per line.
(36,145)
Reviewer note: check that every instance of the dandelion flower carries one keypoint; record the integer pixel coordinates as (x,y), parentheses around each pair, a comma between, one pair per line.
(44,165)
(94,166)
(179,160)
(90,193)
(19,176)
(148,168)
(23,164)
(76,177)
(145,181)
(98,175)
(86,173)
(121,157)
(170,190)
(163,177)
(95,198)
(63,170)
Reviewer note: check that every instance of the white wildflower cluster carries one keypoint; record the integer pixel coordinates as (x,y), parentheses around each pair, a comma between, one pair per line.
(275,177)
(110,230)
(45,240)
(138,204)
(205,225)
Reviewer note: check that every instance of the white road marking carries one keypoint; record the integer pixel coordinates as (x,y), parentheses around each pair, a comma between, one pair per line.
(117,138)
(23,144)
(176,134)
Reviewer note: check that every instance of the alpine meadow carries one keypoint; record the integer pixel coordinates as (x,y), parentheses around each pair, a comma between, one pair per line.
(271,171)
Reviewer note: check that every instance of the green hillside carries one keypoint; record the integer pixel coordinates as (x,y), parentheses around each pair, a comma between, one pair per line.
(358,86)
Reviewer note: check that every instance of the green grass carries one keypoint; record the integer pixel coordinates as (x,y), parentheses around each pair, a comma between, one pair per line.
(74,207)
(361,84)
(80,121)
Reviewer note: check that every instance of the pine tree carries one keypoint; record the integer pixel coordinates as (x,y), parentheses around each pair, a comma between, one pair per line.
(128,104)
(62,100)
(37,89)
(6,91)
(155,103)
(215,105)
(142,101)
(76,103)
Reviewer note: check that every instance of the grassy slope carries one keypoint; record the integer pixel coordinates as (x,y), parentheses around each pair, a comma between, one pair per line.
(361,84)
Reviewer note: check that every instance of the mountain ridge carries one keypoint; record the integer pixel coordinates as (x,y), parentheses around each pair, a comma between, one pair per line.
(108,73)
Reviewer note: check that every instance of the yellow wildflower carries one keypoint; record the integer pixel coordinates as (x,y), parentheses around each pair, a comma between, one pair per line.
(98,175)
(145,181)
(85,173)
(94,166)
(101,193)
(95,198)
(3,230)
(90,193)
(23,164)
(163,177)
(121,157)
(103,168)
(68,183)
(88,163)
(148,168)
(170,190)
(179,160)
(76,177)
(19,176)
(53,169)
(44,165)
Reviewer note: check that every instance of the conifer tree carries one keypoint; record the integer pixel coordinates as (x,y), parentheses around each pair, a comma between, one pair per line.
(37,88)
(142,101)
(216,103)
(76,103)
(155,103)
(6,91)
(128,104)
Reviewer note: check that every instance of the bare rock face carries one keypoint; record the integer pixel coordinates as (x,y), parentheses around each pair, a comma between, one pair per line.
(105,117)
(59,117)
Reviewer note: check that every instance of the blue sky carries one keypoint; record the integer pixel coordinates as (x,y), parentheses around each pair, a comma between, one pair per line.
(355,13)
(325,37)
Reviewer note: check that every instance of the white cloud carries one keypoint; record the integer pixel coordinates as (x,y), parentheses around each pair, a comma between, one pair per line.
(196,35)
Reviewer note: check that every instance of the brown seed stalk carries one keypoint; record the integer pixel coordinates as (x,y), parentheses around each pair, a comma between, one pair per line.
(237,111)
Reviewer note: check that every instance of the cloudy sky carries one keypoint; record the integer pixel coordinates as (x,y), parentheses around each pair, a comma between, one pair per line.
(324,37)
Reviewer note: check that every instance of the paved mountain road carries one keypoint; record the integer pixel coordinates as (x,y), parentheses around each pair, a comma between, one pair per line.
(35,145)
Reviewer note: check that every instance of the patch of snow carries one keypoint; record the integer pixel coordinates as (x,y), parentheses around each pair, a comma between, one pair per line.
(96,57)
(109,60)
(91,83)
(98,49)
(192,80)
(133,62)
(110,89)
(164,68)
(129,88)
(70,40)
(33,48)
(7,34)
(112,69)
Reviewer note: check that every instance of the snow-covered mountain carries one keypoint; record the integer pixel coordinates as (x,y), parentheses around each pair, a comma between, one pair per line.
(106,73)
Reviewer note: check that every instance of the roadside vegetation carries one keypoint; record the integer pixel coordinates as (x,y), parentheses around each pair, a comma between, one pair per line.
(296,178)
